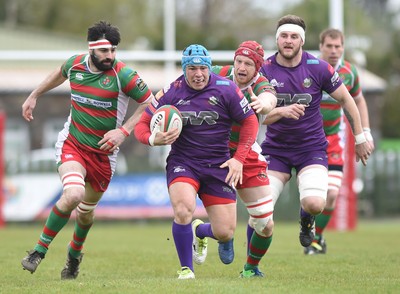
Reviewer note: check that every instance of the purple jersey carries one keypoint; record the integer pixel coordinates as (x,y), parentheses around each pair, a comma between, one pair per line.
(207,117)
(302,84)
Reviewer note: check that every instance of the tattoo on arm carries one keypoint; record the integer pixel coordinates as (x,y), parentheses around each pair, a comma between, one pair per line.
(350,119)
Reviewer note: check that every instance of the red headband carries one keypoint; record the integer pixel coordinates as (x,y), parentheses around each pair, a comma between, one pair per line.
(102,43)
(252,50)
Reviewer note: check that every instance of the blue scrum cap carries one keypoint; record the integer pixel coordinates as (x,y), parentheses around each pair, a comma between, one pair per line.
(195,55)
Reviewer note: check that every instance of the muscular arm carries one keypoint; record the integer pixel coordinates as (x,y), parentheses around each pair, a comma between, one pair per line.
(363,110)
(350,108)
(142,133)
(294,111)
(363,148)
(131,122)
(114,138)
(52,81)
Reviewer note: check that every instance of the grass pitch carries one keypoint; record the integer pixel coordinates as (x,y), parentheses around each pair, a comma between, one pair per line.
(140,257)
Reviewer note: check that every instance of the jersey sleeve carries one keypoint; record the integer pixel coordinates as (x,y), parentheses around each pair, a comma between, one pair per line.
(262,85)
(70,62)
(330,78)
(132,84)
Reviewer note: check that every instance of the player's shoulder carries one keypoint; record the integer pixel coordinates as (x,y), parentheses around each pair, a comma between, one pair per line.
(78,57)
(317,65)
(222,70)
(73,62)
(349,66)
(270,60)
(220,81)
(122,69)
(170,89)
(311,60)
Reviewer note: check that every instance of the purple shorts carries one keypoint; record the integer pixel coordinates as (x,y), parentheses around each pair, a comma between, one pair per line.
(211,178)
(285,161)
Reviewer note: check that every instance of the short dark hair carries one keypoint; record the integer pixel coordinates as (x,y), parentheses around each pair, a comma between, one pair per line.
(332,33)
(104,30)
(292,19)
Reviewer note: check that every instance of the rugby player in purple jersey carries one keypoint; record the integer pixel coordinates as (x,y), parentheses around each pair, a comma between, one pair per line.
(295,137)
(199,162)
(331,46)
(87,147)
(254,191)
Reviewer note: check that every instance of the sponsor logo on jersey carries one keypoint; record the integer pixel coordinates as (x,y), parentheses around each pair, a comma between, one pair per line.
(179,169)
(89,101)
(244,102)
(307,83)
(335,156)
(213,100)
(227,189)
(246,109)
(166,88)
(140,84)
(312,61)
(318,158)
(183,102)
(79,76)
(335,79)
(67,156)
(277,84)
(105,83)
(103,184)
(262,175)
(224,83)
(177,84)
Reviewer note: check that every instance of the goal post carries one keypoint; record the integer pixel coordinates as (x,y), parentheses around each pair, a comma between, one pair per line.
(2,166)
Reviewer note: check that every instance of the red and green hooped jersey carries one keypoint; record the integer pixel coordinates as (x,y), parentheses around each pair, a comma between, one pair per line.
(99,100)
(331,110)
(259,85)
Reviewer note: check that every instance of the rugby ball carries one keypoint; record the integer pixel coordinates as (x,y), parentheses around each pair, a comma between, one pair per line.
(166,118)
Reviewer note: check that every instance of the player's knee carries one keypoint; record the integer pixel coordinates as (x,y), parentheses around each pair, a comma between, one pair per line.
(261,213)
(223,232)
(73,190)
(183,214)
(85,218)
(269,228)
(313,188)
(313,205)
(85,212)
(264,226)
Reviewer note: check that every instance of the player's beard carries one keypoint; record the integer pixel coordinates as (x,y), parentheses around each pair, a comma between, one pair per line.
(100,64)
(289,56)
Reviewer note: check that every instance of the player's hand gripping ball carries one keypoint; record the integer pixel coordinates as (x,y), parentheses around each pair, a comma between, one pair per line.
(166,118)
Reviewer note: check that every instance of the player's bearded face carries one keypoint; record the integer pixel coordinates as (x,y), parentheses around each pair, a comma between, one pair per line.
(289,54)
(102,64)
(288,46)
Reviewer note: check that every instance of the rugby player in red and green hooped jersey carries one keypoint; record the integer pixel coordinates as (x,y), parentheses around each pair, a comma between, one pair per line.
(87,147)
(254,190)
(331,48)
